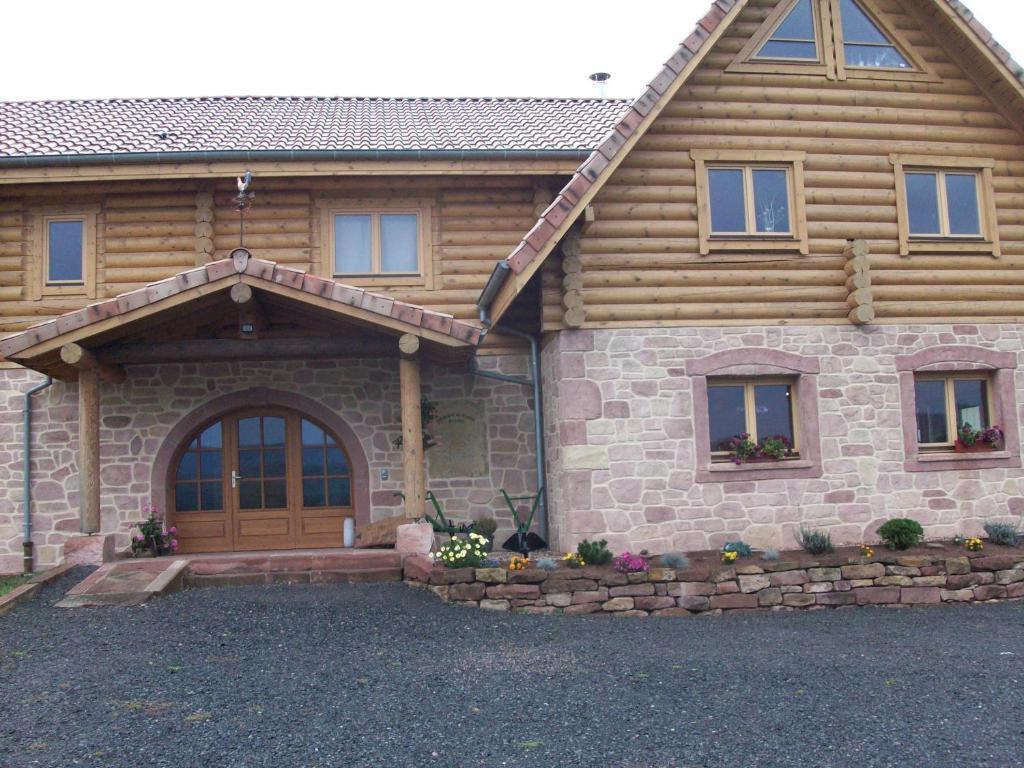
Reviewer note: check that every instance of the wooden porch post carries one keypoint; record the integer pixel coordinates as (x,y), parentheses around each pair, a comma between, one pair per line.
(89,449)
(412,427)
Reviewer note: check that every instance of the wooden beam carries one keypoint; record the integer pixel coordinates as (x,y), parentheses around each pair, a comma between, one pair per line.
(413,469)
(89,449)
(241,293)
(81,358)
(206,350)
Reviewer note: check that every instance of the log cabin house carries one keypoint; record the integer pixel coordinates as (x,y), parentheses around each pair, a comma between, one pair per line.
(810,226)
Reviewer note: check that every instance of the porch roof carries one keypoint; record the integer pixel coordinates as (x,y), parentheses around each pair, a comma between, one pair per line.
(38,347)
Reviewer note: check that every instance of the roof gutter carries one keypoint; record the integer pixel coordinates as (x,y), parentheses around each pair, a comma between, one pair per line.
(291,155)
(494,283)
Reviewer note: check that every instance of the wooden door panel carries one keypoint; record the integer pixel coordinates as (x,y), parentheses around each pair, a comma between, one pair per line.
(203,535)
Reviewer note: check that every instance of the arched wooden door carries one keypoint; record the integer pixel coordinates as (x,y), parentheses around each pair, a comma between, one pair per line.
(261,479)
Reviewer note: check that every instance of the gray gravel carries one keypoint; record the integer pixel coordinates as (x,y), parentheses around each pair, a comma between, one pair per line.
(384,675)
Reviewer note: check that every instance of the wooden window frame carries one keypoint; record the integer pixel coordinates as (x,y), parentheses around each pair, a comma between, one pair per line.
(41,287)
(749,384)
(424,277)
(949,378)
(832,61)
(968,362)
(987,243)
(746,60)
(795,240)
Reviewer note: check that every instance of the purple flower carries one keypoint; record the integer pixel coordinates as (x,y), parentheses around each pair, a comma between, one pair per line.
(627,562)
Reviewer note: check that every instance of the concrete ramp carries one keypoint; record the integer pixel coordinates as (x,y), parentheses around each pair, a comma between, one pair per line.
(130,582)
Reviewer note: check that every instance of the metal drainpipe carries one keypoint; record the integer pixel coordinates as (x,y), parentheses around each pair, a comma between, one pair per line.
(538,418)
(26,544)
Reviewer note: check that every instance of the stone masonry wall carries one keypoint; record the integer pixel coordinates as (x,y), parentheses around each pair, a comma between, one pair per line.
(137,415)
(890,578)
(620,426)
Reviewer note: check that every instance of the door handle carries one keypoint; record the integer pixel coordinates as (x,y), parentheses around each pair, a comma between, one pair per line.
(235,477)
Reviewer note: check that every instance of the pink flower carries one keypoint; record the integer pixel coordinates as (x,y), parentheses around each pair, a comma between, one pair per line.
(139,537)
(172,530)
(174,545)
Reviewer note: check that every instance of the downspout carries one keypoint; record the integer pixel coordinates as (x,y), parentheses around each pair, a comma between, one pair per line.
(26,540)
(494,284)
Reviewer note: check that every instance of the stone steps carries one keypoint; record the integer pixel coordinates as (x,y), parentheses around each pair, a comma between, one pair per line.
(132,582)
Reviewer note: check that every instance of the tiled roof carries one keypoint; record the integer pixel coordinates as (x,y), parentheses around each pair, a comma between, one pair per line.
(258,272)
(539,241)
(986,38)
(258,124)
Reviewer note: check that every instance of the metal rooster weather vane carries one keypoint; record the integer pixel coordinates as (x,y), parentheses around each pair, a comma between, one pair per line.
(243,201)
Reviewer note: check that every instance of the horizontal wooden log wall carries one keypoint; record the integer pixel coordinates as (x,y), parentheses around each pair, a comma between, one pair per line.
(151,230)
(640,256)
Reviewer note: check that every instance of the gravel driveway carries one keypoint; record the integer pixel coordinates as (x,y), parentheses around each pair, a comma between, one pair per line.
(384,675)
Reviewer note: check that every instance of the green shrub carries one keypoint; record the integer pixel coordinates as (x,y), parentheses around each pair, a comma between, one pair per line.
(741,548)
(486,526)
(1006,534)
(901,533)
(815,542)
(676,560)
(594,552)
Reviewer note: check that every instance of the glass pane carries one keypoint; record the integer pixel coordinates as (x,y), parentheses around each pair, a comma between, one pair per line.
(249,496)
(187,466)
(971,399)
(65,256)
(398,243)
(799,24)
(930,399)
(249,432)
(339,492)
(312,462)
(923,203)
(858,28)
(788,49)
(212,496)
(211,437)
(352,244)
(185,497)
(249,463)
(727,201)
(726,415)
(336,464)
(210,468)
(273,430)
(774,406)
(273,462)
(771,200)
(311,434)
(274,496)
(874,56)
(962,202)
(313,493)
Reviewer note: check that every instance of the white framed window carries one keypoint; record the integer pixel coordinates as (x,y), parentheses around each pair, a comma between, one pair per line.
(368,244)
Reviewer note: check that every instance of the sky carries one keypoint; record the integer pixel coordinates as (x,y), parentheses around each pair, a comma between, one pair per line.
(112,48)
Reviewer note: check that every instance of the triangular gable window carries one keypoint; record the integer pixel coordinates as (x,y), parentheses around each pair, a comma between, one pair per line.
(795,38)
(864,44)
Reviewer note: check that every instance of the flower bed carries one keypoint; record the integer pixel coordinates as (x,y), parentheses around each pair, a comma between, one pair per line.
(925,575)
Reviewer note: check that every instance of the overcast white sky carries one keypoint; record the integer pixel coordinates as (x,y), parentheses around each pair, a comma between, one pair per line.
(112,48)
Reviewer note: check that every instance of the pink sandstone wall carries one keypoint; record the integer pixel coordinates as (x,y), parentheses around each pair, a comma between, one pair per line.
(137,415)
(623,460)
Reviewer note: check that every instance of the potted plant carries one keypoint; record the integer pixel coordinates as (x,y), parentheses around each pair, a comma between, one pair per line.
(152,538)
(970,440)
(743,450)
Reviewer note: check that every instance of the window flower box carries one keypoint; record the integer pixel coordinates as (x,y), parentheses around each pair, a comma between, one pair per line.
(971,440)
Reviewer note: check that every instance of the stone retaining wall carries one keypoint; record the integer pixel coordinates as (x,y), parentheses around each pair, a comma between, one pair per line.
(887,579)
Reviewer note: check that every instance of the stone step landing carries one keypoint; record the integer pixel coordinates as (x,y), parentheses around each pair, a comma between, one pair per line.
(294,567)
(132,582)
(129,582)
